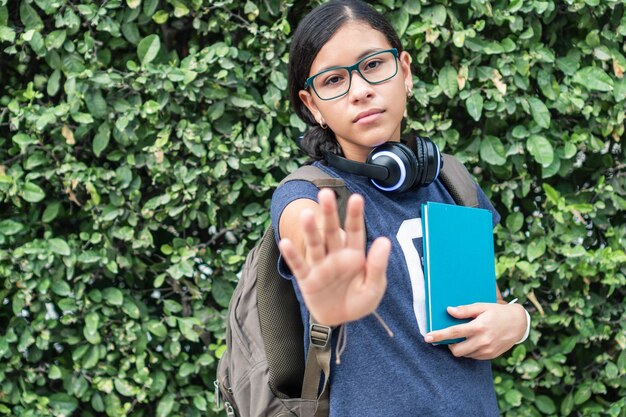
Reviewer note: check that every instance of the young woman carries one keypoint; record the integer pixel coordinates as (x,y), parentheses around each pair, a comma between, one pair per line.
(349,79)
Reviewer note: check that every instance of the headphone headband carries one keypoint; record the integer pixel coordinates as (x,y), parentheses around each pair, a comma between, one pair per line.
(377,172)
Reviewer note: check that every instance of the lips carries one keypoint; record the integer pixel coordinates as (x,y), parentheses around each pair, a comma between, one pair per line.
(367,113)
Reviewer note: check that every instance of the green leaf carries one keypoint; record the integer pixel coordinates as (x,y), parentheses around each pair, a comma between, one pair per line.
(130,308)
(160,17)
(241,101)
(60,246)
(278,79)
(92,321)
(514,222)
(7,34)
(113,296)
(448,81)
(82,118)
(55,39)
(200,403)
(186,369)
(552,194)
(567,405)
(535,249)
(474,105)
(150,6)
(51,212)
(513,397)
(53,83)
(10,227)
(251,209)
(29,17)
(61,288)
(96,104)
(540,113)
(165,405)
(151,107)
(124,387)
(492,151)
(186,327)
(399,19)
(436,15)
(545,404)
(62,404)
(594,79)
(92,357)
(157,328)
(101,140)
(412,6)
(541,149)
(32,193)
(148,48)
(582,394)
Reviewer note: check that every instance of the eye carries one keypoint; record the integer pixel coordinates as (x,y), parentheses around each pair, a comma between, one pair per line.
(332,80)
(373,64)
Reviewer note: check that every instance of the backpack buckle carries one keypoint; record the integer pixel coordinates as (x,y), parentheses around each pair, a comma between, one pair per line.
(319,335)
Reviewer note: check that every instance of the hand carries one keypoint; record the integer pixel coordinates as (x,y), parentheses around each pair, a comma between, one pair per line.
(338,282)
(494,329)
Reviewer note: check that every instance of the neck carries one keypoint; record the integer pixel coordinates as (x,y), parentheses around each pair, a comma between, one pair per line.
(356,152)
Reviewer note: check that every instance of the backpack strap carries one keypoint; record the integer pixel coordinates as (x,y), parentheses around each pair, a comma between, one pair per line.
(319,353)
(321,180)
(459,182)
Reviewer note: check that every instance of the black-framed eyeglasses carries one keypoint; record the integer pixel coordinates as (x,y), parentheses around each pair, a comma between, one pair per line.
(335,82)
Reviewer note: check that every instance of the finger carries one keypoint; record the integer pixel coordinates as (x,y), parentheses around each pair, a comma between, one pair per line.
(468,311)
(355,223)
(296,263)
(376,266)
(463,349)
(452,332)
(330,216)
(313,243)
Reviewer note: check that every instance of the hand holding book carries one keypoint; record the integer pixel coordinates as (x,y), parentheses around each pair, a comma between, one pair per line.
(493,330)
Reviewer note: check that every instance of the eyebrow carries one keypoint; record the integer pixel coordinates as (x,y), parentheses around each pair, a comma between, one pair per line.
(363,55)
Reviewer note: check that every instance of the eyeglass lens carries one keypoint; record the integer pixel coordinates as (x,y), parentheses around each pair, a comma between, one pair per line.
(374,69)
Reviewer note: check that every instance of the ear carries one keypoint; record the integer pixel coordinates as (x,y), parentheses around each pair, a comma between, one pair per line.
(309,102)
(405,64)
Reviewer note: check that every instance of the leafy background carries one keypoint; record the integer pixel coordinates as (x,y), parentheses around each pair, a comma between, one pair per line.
(140,141)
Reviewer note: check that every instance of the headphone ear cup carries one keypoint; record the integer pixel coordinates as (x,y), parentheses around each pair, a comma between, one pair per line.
(412,166)
(401,164)
(419,154)
(431,160)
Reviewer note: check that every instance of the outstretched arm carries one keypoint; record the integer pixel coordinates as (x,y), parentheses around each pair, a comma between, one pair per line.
(338,280)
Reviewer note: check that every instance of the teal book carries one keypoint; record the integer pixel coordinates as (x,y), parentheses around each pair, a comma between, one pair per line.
(459,262)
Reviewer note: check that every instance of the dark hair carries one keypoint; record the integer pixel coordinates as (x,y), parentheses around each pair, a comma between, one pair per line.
(312,33)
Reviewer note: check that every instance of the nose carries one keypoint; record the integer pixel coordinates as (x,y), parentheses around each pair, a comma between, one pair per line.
(359,88)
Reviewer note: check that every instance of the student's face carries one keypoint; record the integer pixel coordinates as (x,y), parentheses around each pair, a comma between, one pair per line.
(386,101)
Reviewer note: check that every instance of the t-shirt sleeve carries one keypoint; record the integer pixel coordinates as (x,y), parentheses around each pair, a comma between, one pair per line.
(285,194)
(485,203)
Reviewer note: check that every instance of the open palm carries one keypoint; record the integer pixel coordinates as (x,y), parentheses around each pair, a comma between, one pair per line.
(338,280)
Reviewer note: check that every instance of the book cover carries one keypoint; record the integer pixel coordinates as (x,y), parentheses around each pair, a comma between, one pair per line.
(459,263)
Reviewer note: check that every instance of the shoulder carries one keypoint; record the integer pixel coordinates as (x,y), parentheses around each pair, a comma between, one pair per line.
(288,200)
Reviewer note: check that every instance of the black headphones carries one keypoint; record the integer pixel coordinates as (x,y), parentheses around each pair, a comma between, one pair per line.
(395,167)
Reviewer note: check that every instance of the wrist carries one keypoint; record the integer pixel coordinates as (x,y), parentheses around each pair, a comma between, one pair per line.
(527,331)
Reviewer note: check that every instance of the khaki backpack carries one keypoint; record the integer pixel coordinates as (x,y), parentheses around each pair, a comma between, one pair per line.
(263,371)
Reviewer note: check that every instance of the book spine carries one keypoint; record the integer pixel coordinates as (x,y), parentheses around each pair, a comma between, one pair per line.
(429,325)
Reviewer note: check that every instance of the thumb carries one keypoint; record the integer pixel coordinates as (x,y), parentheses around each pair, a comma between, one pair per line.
(467,311)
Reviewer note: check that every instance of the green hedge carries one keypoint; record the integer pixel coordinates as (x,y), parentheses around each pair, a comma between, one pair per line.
(140,141)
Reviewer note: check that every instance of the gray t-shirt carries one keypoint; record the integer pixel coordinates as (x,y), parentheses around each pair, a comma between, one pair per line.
(403,375)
